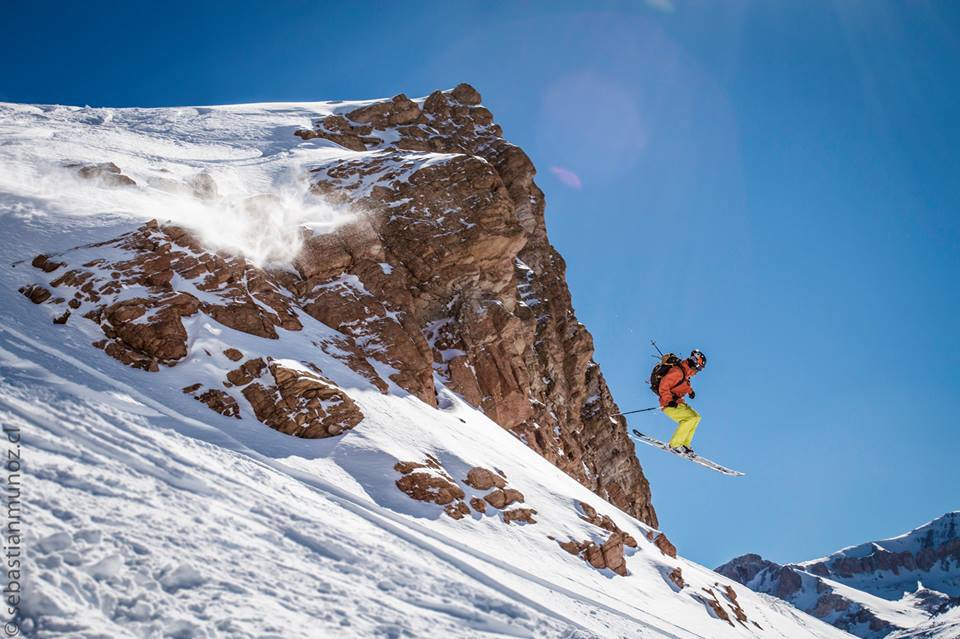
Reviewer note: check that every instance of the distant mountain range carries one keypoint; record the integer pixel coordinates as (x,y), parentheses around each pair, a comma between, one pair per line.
(906,586)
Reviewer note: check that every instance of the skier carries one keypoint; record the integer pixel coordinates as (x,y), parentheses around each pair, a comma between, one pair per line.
(674,384)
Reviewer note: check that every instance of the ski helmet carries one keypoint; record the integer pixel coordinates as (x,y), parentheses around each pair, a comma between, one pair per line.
(698,359)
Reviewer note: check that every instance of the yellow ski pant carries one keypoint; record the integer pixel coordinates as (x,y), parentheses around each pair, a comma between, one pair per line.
(687,420)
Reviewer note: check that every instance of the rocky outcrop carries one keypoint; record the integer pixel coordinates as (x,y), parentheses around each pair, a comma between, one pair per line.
(300,402)
(447,272)
(520,515)
(483,479)
(139,289)
(729,612)
(608,554)
(713,603)
(430,481)
(214,398)
(475,289)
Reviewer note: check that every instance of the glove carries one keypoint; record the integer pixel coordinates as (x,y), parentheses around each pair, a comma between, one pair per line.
(692,393)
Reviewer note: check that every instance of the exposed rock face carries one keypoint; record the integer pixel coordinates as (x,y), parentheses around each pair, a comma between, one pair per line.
(139,288)
(480,291)
(447,272)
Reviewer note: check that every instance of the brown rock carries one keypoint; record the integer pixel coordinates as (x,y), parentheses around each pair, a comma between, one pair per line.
(45,264)
(249,371)
(524,515)
(299,403)
(456,510)
(466,94)
(613,558)
(500,498)
(714,604)
(609,555)
(483,479)
(478,504)
(665,546)
(36,293)
(233,354)
(399,110)
(404,467)
(603,521)
(428,487)
(571,547)
(589,512)
(215,399)
(731,596)
(593,555)
(676,576)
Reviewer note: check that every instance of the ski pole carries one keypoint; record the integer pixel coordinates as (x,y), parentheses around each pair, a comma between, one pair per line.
(657,347)
(631,412)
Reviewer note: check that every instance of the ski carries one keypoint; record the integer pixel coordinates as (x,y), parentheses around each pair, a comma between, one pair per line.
(695,458)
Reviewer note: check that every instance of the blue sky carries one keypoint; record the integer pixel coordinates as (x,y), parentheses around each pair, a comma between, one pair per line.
(775,183)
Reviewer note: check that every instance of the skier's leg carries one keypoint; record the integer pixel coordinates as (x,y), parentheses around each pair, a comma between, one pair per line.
(692,422)
(681,415)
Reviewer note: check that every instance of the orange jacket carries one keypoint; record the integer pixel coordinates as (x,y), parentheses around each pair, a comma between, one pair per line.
(676,383)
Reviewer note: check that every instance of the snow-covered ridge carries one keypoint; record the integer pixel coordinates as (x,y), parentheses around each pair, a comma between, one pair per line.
(259,199)
(890,587)
(929,553)
(153,515)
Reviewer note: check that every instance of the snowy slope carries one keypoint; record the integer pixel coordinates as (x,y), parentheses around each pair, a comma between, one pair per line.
(150,515)
(942,626)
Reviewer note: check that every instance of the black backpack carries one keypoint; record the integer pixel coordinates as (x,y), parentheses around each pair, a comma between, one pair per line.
(663,367)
